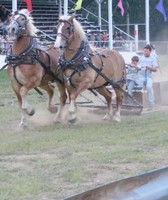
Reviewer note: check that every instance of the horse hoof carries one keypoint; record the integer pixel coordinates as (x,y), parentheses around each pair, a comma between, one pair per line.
(57,121)
(31,113)
(22,127)
(116,119)
(53,109)
(107,117)
(72,121)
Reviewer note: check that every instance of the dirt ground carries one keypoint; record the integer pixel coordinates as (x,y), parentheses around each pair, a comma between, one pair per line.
(96,116)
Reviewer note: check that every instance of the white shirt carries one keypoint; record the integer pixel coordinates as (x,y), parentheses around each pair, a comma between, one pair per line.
(147,61)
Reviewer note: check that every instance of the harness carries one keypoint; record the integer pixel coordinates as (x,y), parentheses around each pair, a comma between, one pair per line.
(31,56)
(78,63)
(81,61)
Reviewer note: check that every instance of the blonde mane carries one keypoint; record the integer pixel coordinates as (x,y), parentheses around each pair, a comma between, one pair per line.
(30,25)
(77,27)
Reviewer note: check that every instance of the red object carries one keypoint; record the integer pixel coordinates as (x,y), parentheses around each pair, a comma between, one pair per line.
(29,5)
(135,33)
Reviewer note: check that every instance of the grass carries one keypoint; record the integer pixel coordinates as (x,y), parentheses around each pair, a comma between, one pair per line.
(50,161)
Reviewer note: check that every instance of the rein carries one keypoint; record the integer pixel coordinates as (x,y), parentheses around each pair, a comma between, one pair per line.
(114,84)
(2,68)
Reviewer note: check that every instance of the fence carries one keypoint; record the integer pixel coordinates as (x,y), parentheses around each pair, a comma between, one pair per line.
(119,45)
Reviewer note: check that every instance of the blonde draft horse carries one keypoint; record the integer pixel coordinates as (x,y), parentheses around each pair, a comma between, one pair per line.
(87,68)
(32,65)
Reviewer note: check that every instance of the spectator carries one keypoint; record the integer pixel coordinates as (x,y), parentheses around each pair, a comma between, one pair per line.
(6,24)
(115,35)
(104,39)
(118,38)
(7,44)
(92,39)
(132,74)
(98,39)
(2,45)
(1,27)
(4,12)
(148,65)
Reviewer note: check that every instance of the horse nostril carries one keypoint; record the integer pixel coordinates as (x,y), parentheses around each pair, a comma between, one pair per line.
(13,29)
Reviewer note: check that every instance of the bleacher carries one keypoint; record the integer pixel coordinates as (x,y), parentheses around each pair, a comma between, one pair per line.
(45,15)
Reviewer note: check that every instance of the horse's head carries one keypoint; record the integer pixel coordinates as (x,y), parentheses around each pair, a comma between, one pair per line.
(67,28)
(21,25)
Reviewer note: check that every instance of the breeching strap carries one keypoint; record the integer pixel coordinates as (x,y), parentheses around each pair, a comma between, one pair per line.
(112,83)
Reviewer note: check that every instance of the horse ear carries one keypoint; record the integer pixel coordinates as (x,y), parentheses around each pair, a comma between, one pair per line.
(72,17)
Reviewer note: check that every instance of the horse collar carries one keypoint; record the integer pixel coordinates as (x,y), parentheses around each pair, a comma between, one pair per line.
(79,60)
(22,58)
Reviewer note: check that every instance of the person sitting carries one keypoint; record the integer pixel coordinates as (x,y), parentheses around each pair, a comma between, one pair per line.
(132,74)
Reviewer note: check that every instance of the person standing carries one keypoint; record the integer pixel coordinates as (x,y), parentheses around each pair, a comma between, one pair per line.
(6,24)
(104,39)
(98,39)
(1,27)
(149,65)
(132,74)
(92,38)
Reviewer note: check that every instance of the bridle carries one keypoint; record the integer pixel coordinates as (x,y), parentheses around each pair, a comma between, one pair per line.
(66,38)
(70,31)
(21,27)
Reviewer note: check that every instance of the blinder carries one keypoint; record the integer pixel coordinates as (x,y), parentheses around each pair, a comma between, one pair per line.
(70,29)
(21,27)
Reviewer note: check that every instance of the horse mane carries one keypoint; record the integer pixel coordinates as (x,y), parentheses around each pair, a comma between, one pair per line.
(31,27)
(77,28)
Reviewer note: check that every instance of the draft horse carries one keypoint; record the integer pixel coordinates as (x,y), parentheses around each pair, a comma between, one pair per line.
(31,65)
(87,68)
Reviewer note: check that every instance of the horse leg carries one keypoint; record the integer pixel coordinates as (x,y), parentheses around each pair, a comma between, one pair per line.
(50,90)
(62,98)
(16,88)
(108,96)
(25,106)
(73,95)
(72,110)
(119,99)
